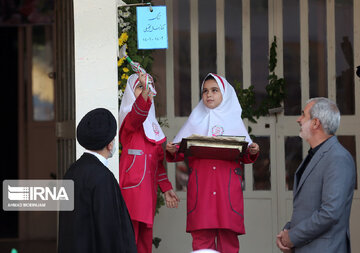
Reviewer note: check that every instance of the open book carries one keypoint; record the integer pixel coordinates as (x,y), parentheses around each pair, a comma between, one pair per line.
(219,147)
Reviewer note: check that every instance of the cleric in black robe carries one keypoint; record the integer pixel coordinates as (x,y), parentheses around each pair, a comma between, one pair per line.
(100,221)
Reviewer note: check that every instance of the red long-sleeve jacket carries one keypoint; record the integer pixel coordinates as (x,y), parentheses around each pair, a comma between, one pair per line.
(141,165)
(214,193)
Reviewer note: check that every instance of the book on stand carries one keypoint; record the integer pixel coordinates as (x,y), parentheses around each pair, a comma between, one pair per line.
(220,147)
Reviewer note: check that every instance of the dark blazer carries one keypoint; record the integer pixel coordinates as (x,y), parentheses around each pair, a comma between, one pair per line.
(322,201)
(100,221)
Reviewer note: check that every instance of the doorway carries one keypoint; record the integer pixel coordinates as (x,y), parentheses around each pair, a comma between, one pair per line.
(28,103)
(9,127)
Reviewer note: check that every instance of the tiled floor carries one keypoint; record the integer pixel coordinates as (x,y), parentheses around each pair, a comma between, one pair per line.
(38,246)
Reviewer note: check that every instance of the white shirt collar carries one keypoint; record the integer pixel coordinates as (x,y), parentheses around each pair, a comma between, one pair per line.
(100,157)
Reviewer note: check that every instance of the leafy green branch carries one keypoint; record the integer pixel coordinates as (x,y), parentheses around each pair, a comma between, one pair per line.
(275,90)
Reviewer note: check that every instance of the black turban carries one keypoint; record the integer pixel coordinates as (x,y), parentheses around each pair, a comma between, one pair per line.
(96,129)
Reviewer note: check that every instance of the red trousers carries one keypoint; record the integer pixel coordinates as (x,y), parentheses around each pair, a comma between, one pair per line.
(143,236)
(226,240)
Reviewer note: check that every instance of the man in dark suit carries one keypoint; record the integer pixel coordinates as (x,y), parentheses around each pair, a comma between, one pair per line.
(323,186)
(100,221)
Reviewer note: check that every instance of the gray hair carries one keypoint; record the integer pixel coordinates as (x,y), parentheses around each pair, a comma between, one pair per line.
(327,112)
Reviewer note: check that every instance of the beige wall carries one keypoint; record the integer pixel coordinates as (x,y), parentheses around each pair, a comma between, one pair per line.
(95,25)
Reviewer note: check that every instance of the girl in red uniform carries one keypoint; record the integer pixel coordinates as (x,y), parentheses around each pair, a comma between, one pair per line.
(215,206)
(141,161)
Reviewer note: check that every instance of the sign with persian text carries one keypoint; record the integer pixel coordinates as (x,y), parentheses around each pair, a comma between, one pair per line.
(152,27)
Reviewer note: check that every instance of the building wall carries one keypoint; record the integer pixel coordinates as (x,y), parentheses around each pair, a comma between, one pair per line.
(96,85)
(95,26)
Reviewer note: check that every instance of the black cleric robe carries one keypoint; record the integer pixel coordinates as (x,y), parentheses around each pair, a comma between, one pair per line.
(100,221)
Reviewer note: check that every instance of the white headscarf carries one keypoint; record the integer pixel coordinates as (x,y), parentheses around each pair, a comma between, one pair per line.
(151,126)
(225,119)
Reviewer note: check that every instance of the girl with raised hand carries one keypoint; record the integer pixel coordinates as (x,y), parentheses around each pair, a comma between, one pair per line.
(141,161)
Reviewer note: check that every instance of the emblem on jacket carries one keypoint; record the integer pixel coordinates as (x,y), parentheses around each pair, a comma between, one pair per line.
(155,128)
(217,130)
